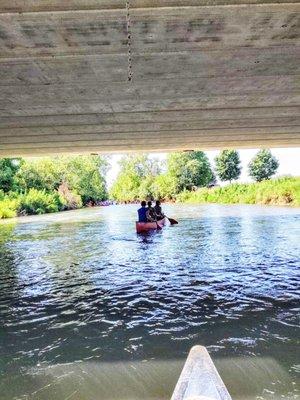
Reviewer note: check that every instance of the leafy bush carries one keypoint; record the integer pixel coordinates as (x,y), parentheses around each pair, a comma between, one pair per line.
(39,202)
(8,208)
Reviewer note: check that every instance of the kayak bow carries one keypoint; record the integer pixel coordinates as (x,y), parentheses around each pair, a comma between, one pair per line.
(149,226)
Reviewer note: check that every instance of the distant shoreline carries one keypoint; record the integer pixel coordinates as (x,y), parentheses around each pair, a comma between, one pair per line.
(276,192)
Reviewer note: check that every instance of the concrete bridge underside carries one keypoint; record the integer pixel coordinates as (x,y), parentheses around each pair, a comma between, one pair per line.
(206,74)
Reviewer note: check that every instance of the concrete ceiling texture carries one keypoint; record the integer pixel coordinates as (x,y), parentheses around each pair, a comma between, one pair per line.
(148,75)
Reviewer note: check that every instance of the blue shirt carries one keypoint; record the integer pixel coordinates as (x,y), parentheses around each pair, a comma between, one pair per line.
(142,214)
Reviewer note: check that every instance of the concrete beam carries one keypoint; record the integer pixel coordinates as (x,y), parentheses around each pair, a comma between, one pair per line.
(21,6)
(204,76)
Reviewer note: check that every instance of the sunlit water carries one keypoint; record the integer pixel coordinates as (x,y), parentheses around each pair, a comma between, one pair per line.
(89,310)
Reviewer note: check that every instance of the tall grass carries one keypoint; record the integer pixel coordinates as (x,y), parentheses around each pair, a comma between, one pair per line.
(281,191)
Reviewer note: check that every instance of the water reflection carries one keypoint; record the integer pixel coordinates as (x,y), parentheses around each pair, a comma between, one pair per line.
(84,300)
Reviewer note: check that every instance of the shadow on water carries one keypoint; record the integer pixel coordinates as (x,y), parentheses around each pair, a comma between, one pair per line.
(89,380)
(91,310)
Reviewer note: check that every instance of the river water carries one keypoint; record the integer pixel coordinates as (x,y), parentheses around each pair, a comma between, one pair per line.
(90,310)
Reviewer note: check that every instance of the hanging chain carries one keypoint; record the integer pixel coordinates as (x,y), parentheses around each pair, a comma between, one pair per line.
(128,22)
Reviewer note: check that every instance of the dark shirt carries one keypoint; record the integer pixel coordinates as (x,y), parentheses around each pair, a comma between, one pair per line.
(150,214)
(158,212)
(142,214)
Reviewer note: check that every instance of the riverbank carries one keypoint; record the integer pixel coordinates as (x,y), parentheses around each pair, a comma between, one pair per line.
(281,191)
(37,202)
(51,184)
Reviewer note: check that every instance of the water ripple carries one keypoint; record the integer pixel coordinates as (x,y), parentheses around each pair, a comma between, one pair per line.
(227,278)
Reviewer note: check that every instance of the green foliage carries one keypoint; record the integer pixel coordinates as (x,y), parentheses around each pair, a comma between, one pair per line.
(85,176)
(136,178)
(263,165)
(125,188)
(41,174)
(39,202)
(8,169)
(8,208)
(146,189)
(43,185)
(141,178)
(70,200)
(33,202)
(164,187)
(188,169)
(228,165)
(281,191)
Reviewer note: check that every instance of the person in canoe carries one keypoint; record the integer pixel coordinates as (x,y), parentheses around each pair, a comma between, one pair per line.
(158,211)
(151,216)
(142,212)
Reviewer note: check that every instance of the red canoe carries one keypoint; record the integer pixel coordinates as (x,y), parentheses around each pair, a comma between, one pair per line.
(148,226)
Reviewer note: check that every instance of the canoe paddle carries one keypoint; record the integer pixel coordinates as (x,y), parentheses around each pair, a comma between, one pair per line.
(172,221)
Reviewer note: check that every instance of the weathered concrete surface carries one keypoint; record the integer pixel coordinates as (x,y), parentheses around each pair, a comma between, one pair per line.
(199,379)
(204,76)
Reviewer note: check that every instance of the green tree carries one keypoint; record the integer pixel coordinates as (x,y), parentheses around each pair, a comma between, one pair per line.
(263,165)
(85,175)
(8,170)
(164,187)
(136,177)
(228,165)
(82,175)
(188,169)
(42,174)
